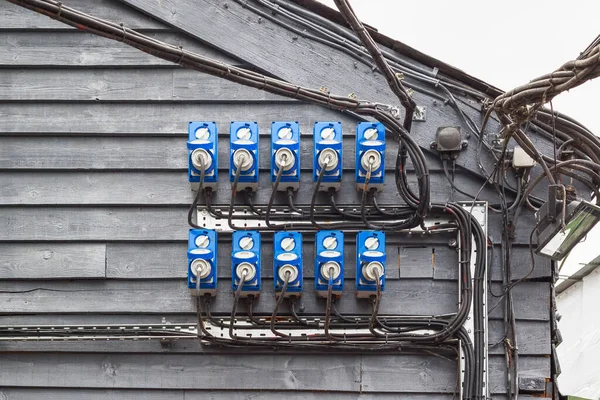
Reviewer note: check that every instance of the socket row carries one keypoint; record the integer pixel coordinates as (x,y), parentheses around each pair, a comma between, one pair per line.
(287,262)
(285,154)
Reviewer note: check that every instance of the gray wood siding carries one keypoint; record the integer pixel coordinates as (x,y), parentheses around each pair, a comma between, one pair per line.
(93,202)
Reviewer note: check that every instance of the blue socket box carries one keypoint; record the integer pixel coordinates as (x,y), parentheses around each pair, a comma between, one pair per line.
(203,152)
(370,154)
(202,261)
(244,154)
(245,257)
(370,262)
(285,152)
(327,138)
(287,258)
(329,262)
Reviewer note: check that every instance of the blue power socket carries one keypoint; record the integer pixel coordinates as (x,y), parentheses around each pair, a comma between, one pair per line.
(328,149)
(285,152)
(202,152)
(329,262)
(244,154)
(287,258)
(370,262)
(370,154)
(202,261)
(245,259)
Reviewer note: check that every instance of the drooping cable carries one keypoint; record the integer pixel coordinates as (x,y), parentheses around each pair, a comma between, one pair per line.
(280,298)
(194,205)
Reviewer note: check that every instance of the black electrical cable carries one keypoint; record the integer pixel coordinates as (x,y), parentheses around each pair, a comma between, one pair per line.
(251,316)
(248,196)
(272,198)
(280,298)
(314,196)
(290,196)
(339,210)
(236,179)
(194,205)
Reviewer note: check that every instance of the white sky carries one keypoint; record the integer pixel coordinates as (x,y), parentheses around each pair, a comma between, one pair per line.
(505,43)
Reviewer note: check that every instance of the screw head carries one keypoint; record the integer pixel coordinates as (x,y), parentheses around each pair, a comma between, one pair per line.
(202,241)
(328,133)
(330,242)
(372,243)
(371,134)
(285,133)
(202,133)
(246,243)
(452,243)
(244,133)
(288,244)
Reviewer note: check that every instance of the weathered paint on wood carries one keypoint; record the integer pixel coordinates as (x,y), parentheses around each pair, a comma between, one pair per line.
(534,367)
(164,118)
(52,261)
(408,297)
(337,373)
(173,394)
(150,84)
(139,97)
(77,49)
(13,17)
(533,301)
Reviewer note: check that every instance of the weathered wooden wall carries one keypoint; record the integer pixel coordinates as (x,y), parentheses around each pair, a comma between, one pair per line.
(93,201)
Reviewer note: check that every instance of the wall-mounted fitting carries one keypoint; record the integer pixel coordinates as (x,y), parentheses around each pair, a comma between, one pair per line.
(448,142)
(202,154)
(370,155)
(328,154)
(329,262)
(559,232)
(287,259)
(521,159)
(285,154)
(370,262)
(420,114)
(244,154)
(245,262)
(202,261)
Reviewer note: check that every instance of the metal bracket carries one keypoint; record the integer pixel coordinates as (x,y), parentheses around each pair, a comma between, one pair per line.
(479,211)
(246,219)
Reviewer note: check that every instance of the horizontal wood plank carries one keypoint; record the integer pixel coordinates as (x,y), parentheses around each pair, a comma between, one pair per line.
(71,48)
(52,261)
(156,84)
(532,301)
(191,394)
(123,85)
(533,367)
(533,337)
(14,17)
(405,297)
(409,297)
(268,372)
(163,118)
(88,224)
